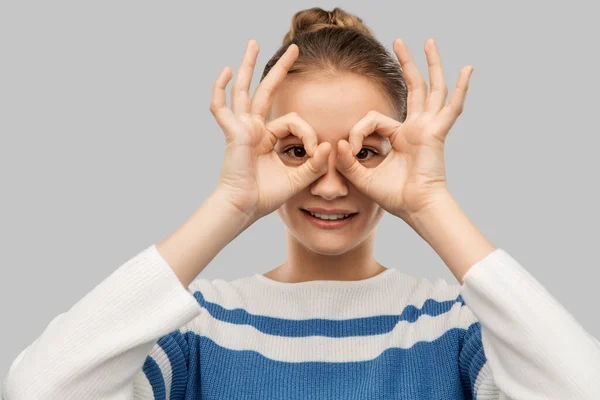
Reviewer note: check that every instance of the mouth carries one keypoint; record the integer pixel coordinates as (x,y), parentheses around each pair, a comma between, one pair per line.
(339,221)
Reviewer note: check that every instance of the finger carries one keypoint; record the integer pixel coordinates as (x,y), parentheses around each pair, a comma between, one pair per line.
(438,90)
(417,88)
(292,123)
(312,169)
(264,93)
(240,91)
(448,115)
(372,122)
(219,97)
(346,163)
(218,104)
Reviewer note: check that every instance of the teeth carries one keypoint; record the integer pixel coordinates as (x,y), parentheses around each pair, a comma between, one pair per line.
(329,216)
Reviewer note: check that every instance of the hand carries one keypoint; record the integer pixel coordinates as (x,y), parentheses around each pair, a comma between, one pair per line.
(412,176)
(253,176)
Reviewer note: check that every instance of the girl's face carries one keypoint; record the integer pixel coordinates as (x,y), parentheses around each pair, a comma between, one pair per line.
(331,106)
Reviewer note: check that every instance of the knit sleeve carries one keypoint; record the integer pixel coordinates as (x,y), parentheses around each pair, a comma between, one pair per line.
(126,326)
(476,375)
(165,371)
(525,345)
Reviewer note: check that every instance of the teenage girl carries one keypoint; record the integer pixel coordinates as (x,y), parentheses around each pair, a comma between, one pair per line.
(337,133)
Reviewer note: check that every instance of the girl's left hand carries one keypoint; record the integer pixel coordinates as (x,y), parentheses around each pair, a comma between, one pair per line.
(412,176)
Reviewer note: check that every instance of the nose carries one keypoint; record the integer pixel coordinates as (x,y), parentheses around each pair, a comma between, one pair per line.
(332,184)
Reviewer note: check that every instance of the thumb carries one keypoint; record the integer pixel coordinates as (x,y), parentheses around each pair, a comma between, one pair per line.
(350,167)
(312,169)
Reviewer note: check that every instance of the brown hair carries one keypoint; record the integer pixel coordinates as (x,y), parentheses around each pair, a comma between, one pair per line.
(336,41)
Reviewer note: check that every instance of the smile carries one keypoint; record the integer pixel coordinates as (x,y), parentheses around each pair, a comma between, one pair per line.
(331,221)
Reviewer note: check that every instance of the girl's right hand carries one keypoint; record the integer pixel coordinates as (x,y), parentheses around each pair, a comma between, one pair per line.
(253,177)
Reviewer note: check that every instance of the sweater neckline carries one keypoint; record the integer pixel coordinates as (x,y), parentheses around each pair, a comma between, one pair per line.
(327,283)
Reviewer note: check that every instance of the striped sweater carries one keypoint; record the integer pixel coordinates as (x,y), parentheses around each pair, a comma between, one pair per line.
(140,334)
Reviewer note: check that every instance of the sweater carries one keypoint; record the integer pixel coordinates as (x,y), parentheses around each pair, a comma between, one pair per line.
(140,334)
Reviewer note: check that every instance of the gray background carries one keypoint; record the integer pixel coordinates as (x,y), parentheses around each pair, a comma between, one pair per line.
(108,144)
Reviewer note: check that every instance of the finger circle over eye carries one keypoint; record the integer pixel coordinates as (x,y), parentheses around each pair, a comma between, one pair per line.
(293,124)
(372,122)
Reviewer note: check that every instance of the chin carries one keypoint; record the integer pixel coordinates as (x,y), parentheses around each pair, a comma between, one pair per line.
(328,249)
(324,242)
(329,242)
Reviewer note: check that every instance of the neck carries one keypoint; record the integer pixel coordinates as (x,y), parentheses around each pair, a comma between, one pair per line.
(303,264)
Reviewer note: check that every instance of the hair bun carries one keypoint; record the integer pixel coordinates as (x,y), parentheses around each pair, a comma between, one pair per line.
(313,19)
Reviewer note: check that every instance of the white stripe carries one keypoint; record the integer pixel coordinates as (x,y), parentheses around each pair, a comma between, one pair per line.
(142,389)
(484,385)
(320,348)
(389,296)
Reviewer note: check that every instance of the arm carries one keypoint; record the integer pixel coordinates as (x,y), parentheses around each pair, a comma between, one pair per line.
(452,235)
(534,346)
(190,248)
(96,348)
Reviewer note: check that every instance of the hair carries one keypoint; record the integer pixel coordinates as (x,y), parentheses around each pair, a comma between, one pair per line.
(334,42)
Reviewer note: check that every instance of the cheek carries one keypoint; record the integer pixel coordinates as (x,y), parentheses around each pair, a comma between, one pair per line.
(375,213)
(283,212)
(287,209)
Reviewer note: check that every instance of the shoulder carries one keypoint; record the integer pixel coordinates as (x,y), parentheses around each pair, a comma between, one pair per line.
(437,299)
(219,290)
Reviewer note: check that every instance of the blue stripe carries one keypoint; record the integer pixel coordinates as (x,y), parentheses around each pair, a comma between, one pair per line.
(155,377)
(366,326)
(427,370)
(176,349)
(472,356)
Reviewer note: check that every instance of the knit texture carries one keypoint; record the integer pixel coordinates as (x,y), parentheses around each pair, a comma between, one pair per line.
(390,336)
(141,335)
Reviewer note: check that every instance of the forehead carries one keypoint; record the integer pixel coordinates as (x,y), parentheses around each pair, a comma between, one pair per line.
(331,105)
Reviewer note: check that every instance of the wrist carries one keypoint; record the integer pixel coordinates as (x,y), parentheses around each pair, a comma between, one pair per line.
(223,201)
(436,206)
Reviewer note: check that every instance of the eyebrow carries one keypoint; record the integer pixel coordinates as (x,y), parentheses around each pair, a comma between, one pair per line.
(376,136)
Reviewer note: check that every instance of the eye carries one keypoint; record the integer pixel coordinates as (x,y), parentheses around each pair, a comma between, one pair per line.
(299,153)
(364,151)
